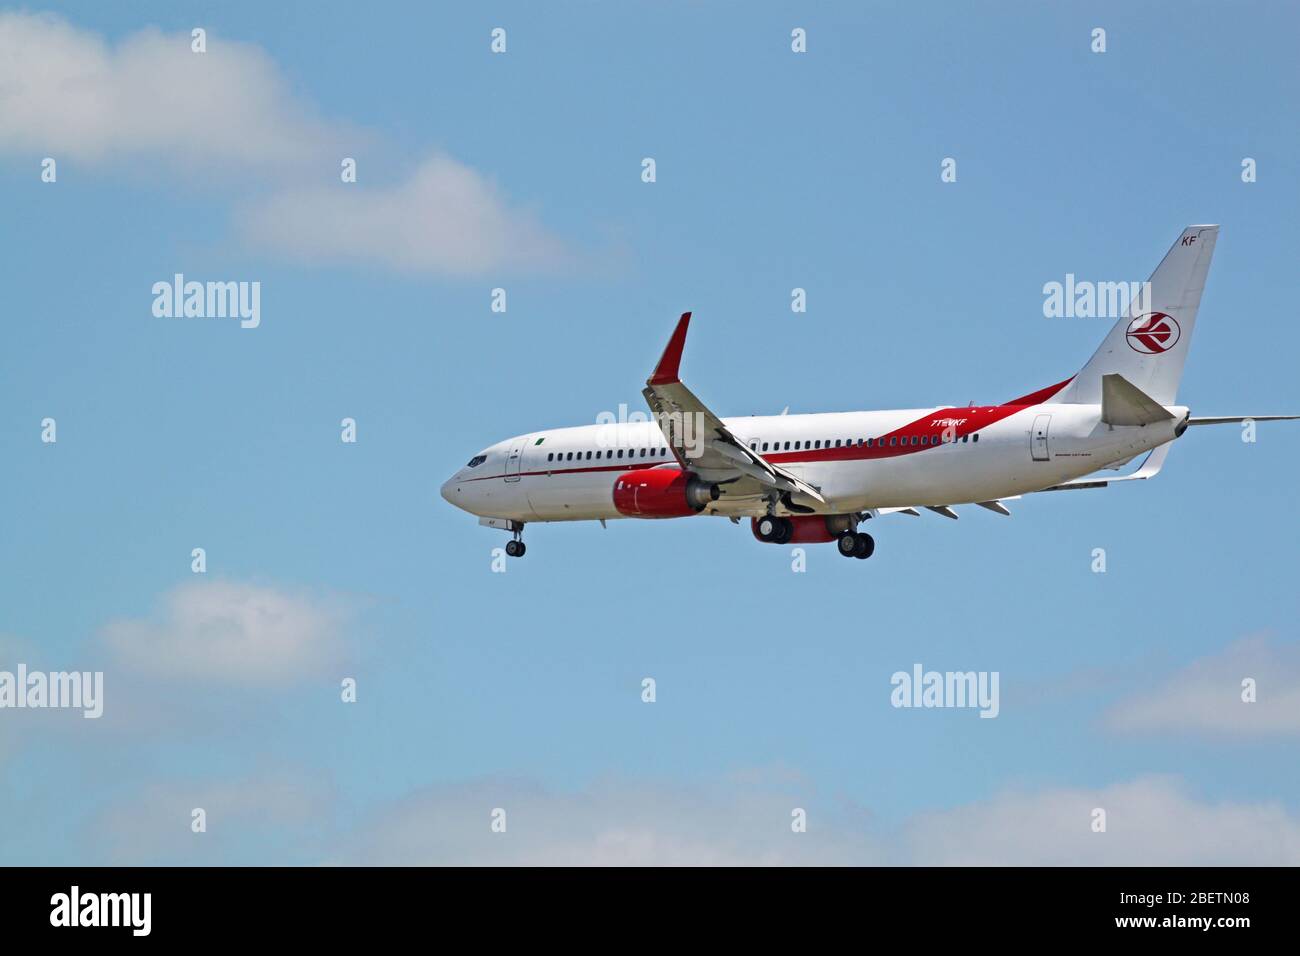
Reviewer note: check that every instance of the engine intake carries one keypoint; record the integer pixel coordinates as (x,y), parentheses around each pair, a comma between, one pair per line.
(662,493)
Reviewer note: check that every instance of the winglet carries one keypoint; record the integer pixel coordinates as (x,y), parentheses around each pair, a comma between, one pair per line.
(666,371)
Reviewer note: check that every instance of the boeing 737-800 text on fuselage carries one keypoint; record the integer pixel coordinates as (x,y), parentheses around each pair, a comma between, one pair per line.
(817,478)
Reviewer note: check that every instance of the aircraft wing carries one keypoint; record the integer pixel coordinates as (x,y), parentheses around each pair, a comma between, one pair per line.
(699,439)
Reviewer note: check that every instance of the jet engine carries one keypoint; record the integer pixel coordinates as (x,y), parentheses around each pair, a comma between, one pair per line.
(662,493)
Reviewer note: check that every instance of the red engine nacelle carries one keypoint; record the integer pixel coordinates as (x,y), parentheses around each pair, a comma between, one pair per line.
(662,493)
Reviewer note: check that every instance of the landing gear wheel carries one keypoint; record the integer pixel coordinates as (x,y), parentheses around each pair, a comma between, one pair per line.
(866,545)
(774,530)
(515,549)
(848,544)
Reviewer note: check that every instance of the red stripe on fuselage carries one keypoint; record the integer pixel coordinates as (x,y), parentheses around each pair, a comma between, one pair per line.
(626,465)
(962,421)
(1040,396)
(956,422)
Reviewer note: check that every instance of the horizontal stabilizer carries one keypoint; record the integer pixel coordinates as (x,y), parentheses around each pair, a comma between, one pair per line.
(1123,403)
(1233,419)
(1151,466)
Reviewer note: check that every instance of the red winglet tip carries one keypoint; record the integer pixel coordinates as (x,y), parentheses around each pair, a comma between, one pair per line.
(666,371)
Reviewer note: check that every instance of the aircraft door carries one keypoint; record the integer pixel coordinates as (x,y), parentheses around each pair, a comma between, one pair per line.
(1038,438)
(514,459)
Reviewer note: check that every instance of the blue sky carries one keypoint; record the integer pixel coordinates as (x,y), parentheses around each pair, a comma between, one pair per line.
(522,690)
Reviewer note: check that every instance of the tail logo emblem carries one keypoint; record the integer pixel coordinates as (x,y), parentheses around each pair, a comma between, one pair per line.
(1153,333)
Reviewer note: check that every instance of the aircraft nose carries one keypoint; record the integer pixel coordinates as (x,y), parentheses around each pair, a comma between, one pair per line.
(446,489)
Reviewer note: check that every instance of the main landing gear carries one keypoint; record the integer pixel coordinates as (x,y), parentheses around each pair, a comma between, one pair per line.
(516,548)
(856,544)
(817,528)
(775,530)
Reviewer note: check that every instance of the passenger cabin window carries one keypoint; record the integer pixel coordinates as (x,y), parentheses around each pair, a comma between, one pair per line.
(977,437)
(476,461)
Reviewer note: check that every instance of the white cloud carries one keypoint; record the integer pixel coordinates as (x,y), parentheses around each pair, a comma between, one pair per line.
(1207,694)
(271,808)
(445,218)
(69,94)
(612,823)
(1150,821)
(287,814)
(227,631)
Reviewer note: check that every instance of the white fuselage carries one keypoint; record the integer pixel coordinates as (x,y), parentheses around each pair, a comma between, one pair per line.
(858,460)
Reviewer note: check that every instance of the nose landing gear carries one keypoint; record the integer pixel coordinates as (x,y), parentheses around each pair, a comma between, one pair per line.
(515,548)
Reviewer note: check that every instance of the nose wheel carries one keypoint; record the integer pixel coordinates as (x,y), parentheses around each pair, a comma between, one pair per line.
(856,544)
(516,548)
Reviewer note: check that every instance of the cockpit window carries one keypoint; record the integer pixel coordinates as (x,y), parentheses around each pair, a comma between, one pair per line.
(476,461)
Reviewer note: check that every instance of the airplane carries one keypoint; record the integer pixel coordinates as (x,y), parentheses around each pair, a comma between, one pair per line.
(817,478)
